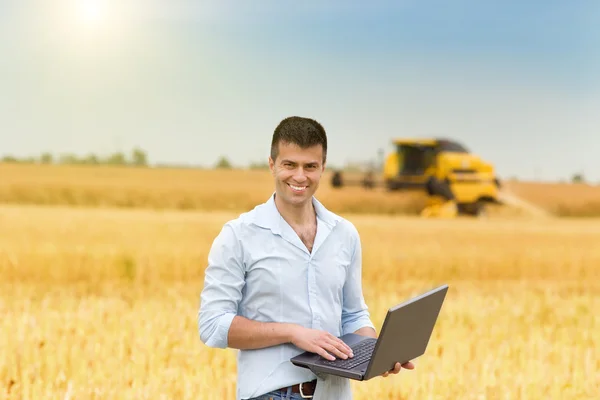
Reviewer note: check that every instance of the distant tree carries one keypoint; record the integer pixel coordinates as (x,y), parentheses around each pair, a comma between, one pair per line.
(46,158)
(259,165)
(116,159)
(223,163)
(578,178)
(69,158)
(91,159)
(9,159)
(139,157)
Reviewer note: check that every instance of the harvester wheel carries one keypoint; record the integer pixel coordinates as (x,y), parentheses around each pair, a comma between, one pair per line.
(392,186)
(476,209)
(480,210)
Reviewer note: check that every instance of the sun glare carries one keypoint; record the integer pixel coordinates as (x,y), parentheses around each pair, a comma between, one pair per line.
(92,12)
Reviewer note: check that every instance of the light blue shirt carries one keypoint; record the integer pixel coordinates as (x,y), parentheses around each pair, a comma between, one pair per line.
(259,268)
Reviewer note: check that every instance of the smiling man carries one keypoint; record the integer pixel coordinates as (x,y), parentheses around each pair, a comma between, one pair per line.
(286,277)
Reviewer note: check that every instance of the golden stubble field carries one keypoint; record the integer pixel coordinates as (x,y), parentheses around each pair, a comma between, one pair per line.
(102,304)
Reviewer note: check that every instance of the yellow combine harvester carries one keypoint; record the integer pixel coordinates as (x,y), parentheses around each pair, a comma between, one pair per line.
(457,181)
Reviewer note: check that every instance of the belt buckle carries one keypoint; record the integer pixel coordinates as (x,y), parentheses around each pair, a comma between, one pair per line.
(302,393)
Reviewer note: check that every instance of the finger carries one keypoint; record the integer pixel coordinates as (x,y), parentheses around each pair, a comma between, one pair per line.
(339,343)
(348,349)
(394,370)
(334,350)
(408,365)
(343,347)
(320,351)
(337,348)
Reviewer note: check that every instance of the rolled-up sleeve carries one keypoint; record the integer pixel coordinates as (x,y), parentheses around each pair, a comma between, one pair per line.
(222,292)
(355,314)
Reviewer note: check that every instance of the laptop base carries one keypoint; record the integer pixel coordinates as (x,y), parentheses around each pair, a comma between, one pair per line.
(317,363)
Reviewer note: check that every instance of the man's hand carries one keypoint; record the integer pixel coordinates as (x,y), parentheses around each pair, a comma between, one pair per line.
(370,332)
(320,342)
(397,368)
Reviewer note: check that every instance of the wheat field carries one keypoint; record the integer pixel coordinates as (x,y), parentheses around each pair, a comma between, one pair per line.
(101,303)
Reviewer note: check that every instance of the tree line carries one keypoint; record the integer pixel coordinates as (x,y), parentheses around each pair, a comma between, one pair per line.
(136,157)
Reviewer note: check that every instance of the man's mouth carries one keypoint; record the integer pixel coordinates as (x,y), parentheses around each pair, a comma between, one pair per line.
(298,189)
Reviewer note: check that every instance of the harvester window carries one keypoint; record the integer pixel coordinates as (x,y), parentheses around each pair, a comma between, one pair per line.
(452,147)
(415,159)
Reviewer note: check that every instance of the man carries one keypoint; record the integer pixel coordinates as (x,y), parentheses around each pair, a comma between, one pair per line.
(286,277)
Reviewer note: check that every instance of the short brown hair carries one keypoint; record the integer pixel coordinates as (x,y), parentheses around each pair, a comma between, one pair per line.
(304,132)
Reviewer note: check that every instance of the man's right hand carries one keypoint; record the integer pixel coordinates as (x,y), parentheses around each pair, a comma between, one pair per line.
(320,342)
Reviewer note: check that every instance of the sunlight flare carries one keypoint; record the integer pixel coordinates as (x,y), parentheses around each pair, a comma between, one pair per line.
(92,12)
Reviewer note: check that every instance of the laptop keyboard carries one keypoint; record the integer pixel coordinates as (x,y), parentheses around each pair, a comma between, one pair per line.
(362,352)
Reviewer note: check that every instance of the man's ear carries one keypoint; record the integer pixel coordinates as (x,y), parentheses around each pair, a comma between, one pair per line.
(272,165)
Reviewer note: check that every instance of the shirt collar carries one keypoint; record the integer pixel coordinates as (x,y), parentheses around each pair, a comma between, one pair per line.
(268,216)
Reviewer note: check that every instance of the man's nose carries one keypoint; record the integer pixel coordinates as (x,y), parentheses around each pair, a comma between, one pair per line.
(299,174)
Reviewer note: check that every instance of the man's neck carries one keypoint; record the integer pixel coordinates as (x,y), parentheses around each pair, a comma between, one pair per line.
(297,216)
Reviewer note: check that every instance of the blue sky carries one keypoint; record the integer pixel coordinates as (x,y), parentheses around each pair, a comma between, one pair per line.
(518,82)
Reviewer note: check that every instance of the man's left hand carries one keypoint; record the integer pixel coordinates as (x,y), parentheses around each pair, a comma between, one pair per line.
(398,367)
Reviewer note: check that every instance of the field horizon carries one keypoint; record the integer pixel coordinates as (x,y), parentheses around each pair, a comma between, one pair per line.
(241,190)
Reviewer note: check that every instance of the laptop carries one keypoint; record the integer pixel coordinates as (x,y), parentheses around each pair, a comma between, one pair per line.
(404,336)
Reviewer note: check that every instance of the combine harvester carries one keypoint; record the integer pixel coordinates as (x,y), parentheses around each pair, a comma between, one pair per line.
(457,182)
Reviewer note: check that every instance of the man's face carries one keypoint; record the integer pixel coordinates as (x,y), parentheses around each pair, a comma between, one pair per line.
(297,172)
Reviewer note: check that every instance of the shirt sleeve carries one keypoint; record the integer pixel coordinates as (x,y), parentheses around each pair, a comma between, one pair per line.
(355,314)
(222,292)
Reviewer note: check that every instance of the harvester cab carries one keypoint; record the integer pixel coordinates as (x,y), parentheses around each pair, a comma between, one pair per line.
(455,180)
